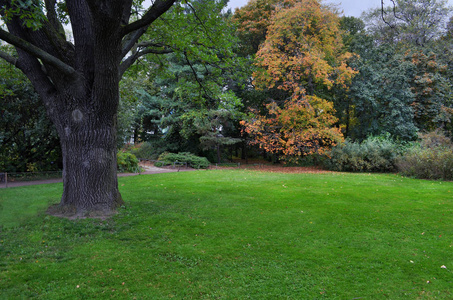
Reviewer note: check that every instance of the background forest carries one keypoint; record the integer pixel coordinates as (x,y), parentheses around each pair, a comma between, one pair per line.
(290,81)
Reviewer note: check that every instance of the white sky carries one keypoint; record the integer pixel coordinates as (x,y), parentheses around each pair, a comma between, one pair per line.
(350,7)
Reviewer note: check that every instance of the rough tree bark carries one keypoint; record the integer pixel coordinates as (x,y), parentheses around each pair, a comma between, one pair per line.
(79,84)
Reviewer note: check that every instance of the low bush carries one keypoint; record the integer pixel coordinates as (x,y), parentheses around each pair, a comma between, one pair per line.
(432,158)
(192,160)
(127,162)
(144,150)
(375,154)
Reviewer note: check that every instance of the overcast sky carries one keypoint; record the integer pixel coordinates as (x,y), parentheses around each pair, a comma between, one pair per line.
(350,7)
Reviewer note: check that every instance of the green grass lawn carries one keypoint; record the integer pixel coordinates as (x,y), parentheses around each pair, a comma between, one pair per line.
(236,235)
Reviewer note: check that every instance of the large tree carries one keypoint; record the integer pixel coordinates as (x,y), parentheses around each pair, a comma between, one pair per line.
(303,56)
(402,87)
(78,77)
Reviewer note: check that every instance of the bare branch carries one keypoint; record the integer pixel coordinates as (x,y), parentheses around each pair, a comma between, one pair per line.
(36,52)
(383,13)
(155,51)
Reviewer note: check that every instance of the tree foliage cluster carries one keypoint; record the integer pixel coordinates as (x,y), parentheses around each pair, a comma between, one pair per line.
(387,73)
(28,140)
(184,103)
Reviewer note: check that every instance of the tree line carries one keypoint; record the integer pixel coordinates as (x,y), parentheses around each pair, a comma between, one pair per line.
(303,80)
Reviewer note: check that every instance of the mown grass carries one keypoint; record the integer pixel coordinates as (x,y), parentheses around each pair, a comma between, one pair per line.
(234,235)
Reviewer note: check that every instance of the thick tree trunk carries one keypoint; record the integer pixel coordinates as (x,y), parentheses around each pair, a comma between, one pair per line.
(89,172)
(87,129)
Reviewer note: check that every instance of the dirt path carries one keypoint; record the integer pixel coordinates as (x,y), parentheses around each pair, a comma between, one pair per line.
(148,170)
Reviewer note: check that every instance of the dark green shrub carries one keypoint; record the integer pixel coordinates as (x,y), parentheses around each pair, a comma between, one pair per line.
(192,160)
(375,154)
(127,162)
(144,150)
(432,158)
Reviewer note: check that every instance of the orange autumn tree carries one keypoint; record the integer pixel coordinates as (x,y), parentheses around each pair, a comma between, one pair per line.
(302,55)
(301,127)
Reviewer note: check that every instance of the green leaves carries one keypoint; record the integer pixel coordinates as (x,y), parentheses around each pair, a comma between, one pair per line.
(189,100)
(416,23)
(29,11)
(27,137)
(195,30)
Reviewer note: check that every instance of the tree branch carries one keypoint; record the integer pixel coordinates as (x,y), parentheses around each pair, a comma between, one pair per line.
(155,11)
(206,92)
(383,13)
(52,16)
(131,39)
(36,52)
(135,30)
(127,12)
(155,51)
(133,58)
(32,68)
(10,59)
